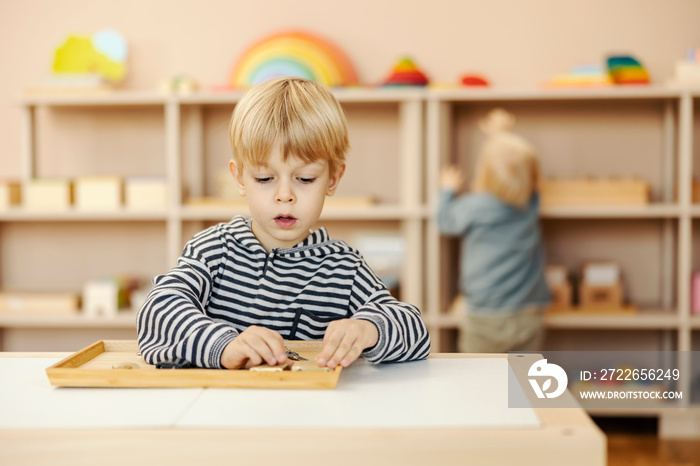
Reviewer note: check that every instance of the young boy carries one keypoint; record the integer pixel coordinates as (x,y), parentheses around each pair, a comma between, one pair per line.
(502,263)
(241,288)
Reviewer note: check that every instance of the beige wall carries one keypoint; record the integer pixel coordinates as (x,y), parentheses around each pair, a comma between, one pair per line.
(513,42)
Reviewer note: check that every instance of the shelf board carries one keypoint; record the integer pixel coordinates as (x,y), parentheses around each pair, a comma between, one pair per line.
(71,215)
(343,94)
(644,319)
(655,210)
(125,319)
(96,98)
(378,212)
(580,93)
(353,94)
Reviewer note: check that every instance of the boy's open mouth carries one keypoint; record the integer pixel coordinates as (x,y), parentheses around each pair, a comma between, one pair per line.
(285,221)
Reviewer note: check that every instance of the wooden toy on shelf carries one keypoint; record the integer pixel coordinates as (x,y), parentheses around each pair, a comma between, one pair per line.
(406,73)
(10,194)
(600,287)
(39,303)
(294,53)
(474,80)
(687,71)
(624,69)
(81,62)
(49,194)
(98,192)
(104,297)
(559,286)
(557,192)
(145,192)
(584,75)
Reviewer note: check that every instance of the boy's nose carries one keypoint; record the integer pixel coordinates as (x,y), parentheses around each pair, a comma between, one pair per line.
(284,194)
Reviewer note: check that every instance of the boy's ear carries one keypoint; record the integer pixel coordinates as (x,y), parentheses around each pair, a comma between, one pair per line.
(238,176)
(335,180)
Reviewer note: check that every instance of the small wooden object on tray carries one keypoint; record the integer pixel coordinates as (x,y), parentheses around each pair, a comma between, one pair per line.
(117,363)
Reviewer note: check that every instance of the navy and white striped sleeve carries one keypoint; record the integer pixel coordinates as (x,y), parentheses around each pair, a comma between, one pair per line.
(403,335)
(172,324)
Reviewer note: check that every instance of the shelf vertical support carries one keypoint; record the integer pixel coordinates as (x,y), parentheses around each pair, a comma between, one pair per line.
(411,176)
(668,169)
(438,121)
(28,148)
(193,151)
(174,180)
(685,174)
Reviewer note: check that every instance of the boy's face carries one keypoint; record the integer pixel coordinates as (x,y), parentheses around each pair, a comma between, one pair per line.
(285,197)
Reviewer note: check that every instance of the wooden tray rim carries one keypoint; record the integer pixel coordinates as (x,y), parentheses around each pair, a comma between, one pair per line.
(67,373)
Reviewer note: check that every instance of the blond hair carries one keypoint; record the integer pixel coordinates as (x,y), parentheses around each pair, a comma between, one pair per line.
(302,116)
(507,166)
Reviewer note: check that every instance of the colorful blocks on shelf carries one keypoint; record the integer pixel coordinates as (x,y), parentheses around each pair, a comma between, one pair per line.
(10,194)
(143,192)
(98,192)
(49,194)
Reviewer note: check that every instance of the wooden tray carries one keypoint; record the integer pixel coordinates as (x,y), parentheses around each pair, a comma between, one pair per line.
(118,363)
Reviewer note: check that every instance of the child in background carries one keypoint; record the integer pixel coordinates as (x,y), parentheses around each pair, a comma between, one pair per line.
(240,288)
(502,257)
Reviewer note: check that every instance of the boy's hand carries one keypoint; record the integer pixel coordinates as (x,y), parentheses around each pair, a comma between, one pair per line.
(345,340)
(254,346)
(451,178)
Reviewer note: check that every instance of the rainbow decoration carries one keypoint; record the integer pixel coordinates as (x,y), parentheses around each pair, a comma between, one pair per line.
(293,53)
(627,70)
(406,73)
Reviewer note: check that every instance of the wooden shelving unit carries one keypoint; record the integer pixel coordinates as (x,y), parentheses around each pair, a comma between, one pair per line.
(193,135)
(665,153)
(403,137)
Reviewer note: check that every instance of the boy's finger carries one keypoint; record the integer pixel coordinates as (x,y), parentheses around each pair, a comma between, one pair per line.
(331,340)
(351,355)
(269,348)
(342,351)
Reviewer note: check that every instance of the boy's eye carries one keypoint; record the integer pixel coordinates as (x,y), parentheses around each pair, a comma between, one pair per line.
(263,179)
(307,180)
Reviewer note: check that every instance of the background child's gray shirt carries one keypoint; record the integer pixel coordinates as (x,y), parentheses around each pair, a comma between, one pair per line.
(502,258)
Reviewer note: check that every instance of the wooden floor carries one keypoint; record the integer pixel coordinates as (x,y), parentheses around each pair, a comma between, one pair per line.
(634,442)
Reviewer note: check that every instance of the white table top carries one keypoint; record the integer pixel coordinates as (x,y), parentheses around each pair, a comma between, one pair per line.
(436,393)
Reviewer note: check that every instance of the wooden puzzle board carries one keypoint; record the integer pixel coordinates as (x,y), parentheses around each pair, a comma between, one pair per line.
(117,363)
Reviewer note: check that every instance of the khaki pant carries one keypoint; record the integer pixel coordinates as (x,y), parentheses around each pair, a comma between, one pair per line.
(518,331)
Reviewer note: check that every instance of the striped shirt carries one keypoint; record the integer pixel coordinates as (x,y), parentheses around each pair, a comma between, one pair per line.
(225,282)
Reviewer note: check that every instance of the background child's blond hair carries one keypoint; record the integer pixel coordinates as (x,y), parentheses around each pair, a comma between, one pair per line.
(302,116)
(507,166)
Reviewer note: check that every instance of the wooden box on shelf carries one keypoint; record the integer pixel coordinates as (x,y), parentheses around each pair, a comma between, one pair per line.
(559,287)
(26,303)
(10,194)
(601,286)
(145,192)
(49,193)
(602,297)
(557,192)
(98,192)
